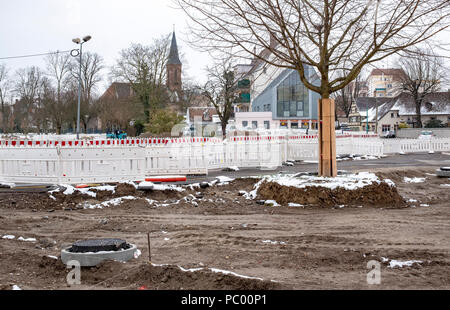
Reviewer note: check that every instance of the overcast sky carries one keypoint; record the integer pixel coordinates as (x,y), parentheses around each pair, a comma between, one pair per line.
(39,26)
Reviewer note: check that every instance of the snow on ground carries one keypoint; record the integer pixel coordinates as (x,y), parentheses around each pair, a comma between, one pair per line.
(27,239)
(109,203)
(160,187)
(273,242)
(70,190)
(396,263)
(215,270)
(16,288)
(414,180)
(224,179)
(294,205)
(11,237)
(349,182)
(272,202)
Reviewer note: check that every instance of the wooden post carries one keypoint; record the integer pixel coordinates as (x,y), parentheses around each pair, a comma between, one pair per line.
(149,249)
(327,139)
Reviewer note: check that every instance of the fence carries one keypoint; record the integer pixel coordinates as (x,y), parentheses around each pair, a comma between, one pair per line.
(75,162)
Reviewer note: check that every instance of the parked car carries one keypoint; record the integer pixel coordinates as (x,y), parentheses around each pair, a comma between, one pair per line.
(389,134)
(426,134)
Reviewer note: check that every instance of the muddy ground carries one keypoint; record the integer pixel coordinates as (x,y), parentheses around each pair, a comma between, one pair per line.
(319,246)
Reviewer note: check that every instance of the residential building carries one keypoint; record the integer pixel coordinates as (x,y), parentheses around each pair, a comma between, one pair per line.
(385,82)
(399,110)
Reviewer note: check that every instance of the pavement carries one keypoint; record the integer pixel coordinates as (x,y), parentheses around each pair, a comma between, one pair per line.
(437,159)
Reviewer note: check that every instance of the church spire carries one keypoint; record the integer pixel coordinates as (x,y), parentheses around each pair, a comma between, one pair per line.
(174,57)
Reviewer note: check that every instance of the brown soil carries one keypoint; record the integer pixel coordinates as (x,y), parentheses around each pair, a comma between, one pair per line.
(375,195)
(300,248)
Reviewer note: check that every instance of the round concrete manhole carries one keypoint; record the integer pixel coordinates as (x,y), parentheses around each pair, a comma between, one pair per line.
(89,253)
(98,245)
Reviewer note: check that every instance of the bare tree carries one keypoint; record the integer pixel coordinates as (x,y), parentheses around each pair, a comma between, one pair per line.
(347,95)
(144,67)
(91,67)
(27,88)
(58,69)
(5,87)
(333,36)
(424,74)
(221,91)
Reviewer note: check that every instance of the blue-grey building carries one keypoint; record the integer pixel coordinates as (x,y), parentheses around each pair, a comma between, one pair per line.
(290,102)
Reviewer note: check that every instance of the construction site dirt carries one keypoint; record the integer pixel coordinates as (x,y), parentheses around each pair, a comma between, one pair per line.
(217,238)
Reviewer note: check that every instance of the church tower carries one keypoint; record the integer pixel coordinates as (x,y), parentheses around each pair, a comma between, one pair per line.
(174,67)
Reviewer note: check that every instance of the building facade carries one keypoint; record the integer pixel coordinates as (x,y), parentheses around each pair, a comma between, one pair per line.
(385,82)
(281,92)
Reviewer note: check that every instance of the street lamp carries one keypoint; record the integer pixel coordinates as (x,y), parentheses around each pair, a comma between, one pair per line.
(79,53)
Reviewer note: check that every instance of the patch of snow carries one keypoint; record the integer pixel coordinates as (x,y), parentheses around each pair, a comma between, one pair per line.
(225,272)
(349,182)
(166,239)
(52,257)
(389,182)
(52,197)
(424,205)
(109,203)
(9,237)
(233,168)
(273,242)
(445,185)
(26,239)
(395,263)
(412,200)
(414,180)
(291,204)
(190,270)
(16,288)
(272,202)
(224,179)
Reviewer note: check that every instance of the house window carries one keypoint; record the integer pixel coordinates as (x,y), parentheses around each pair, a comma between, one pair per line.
(292,97)
(386,128)
(244,124)
(254,124)
(392,115)
(294,125)
(266,124)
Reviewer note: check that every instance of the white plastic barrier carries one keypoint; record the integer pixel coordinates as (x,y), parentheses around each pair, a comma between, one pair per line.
(51,162)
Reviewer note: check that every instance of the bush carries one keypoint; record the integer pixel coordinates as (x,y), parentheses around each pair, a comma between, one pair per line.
(403,126)
(434,123)
(162,122)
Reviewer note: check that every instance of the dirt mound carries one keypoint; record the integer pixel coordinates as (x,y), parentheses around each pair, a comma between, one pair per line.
(375,195)
(123,189)
(31,201)
(114,274)
(397,175)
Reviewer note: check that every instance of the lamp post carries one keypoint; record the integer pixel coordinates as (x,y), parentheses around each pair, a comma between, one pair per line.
(80,53)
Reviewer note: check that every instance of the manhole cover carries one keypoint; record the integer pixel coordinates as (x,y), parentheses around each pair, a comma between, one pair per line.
(99,245)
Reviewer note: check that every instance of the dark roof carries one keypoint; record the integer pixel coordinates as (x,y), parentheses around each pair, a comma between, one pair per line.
(118,90)
(174,57)
(365,103)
